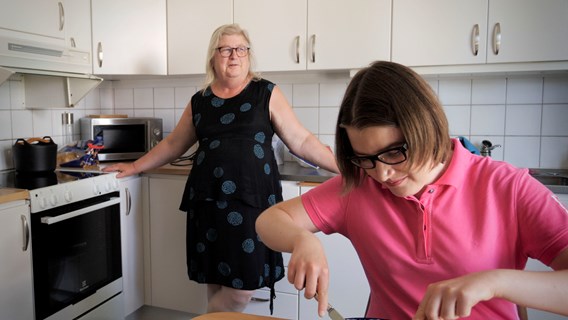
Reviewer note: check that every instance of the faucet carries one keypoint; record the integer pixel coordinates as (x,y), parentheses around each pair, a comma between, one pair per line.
(486,147)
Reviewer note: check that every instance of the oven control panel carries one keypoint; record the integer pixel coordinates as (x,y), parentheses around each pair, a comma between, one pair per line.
(62,194)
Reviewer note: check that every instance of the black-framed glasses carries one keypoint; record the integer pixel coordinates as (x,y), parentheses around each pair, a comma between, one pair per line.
(391,156)
(227,51)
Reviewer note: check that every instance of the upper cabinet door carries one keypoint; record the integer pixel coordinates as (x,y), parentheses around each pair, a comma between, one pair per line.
(36,17)
(527,30)
(129,37)
(78,25)
(439,32)
(347,34)
(190,25)
(277,29)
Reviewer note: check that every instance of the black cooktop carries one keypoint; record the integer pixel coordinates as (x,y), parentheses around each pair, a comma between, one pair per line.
(31,181)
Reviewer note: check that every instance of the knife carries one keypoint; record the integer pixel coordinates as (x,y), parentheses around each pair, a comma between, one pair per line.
(333,314)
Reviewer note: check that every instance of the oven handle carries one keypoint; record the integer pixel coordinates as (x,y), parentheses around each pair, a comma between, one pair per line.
(73,214)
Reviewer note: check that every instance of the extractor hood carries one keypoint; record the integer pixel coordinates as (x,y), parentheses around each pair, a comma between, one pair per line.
(51,89)
(54,76)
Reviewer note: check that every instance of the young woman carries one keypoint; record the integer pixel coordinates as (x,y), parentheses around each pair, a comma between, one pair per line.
(441,233)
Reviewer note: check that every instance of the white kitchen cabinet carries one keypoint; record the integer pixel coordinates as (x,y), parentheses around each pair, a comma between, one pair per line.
(35,17)
(190,25)
(289,35)
(16,299)
(169,285)
(348,285)
(132,204)
(530,31)
(448,32)
(129,37)
(78,26)
(439,32)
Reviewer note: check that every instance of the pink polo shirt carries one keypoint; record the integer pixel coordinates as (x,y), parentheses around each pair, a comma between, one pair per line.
(481,214)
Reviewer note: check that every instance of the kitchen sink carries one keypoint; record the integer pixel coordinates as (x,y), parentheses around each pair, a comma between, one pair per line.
(554,179)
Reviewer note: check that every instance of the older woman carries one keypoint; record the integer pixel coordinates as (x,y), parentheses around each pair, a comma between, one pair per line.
(441,233)
(234,175)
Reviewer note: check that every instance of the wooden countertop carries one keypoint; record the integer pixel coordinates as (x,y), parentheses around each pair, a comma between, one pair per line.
(12,194)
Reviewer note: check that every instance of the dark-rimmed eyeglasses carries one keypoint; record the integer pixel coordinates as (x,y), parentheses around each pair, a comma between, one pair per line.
(227,51)
(391,156)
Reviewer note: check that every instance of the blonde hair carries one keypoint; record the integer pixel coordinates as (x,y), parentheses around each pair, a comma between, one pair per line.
(226,30)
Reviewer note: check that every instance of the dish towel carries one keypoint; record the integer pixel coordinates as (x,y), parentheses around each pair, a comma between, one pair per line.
(469,146)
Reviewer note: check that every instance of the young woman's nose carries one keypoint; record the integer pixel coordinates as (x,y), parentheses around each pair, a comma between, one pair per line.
(383,171)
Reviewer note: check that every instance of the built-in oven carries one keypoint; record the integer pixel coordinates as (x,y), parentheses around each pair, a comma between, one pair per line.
(76,251)
(76,247)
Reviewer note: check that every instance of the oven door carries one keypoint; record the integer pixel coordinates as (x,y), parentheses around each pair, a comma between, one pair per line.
(76,251)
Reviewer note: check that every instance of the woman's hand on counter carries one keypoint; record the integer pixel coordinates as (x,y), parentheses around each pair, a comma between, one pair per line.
(124,169)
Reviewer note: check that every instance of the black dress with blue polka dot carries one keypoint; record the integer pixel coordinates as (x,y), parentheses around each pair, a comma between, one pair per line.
(233,179)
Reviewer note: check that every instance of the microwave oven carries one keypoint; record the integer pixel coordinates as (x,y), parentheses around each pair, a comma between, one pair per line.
(122,138)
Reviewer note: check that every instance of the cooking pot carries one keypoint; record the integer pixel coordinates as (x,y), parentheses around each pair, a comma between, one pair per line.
(35,155)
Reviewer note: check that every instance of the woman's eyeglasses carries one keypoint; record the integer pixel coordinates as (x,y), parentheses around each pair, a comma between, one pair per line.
(227,51)
(391,157)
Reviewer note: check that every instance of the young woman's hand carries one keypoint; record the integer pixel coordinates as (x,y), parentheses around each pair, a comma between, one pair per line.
(308,269)
(454,298)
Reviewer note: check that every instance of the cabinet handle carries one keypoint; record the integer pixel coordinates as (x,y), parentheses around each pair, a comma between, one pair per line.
(297,49)
(314,48)
(475,39)
(72,41)
(100,54)
(26,233)
(128,201)
(496,38)
(61,16)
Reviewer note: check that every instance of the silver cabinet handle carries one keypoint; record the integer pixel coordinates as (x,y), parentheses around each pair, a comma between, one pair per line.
(475,39)
(128,201)
(496,38)
(26,233)
(61,16)
(314,48)
(297,49)
(100,54)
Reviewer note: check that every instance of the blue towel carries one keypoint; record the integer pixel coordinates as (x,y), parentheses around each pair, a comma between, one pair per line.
(469,146)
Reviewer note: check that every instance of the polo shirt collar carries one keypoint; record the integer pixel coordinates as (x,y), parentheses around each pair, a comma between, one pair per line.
(456,173)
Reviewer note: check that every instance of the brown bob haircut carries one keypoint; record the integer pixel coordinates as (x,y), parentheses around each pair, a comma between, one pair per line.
(390,94)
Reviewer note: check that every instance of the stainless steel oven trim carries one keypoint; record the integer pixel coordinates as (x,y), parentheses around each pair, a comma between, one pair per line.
(51,220)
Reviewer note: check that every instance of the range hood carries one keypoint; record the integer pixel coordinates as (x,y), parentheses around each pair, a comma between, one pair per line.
(51,89)
(54,76)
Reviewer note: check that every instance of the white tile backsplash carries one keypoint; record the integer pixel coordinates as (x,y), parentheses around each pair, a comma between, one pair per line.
(454,92)
(305,95)
(523,151)
(164,98)
(523,120)
(524,90)
(488,120)
(555,90)
(554,152)
(123,98)
(143,98)
(555,120)
(526,115)
(5,124)
(488,91)
(459,118)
